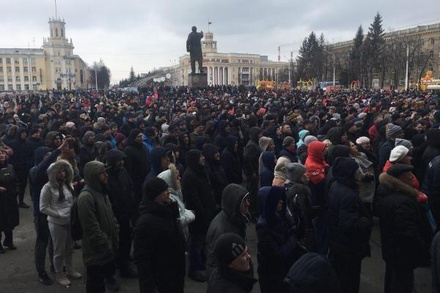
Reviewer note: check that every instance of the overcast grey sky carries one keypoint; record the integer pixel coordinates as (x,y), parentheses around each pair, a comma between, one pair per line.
(150,34)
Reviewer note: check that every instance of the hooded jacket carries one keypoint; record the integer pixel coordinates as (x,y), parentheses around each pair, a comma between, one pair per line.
(278,248)
(230,219)
(136,163)
(156,162)
(198,193)
(267,170)
(349,222)
(159,248)
(252,153)
(215,171)
(312,274)
(57,209)
(403,227)
(186,216)
(22,160)
(100,240)
(230,161)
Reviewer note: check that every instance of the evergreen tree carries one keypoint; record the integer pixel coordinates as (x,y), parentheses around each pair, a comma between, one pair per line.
(356,55)
(132,77)
(373,48)
(311,58)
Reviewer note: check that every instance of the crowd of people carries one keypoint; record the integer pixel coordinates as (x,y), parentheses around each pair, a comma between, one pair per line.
(169,171)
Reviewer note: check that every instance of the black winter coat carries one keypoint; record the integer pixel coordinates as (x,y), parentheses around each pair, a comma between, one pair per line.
(278,247)
(159,248)
(9,215)
(349,222)
(402,226)
(198,194)
(228,281)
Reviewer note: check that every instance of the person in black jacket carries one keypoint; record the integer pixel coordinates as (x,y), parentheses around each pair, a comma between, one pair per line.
(233,218)
(278,247)
(401,229)
(199,197)
(9,215)
(231,162)
(349,225)
(159,244)
(251,155)
(136,162)
(234,273)
(120,192)
(22,161)
(312,273)
(215,170)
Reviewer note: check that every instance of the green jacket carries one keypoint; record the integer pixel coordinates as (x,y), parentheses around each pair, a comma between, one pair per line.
(100,238)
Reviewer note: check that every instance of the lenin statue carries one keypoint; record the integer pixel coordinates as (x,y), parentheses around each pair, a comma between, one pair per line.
(194,47)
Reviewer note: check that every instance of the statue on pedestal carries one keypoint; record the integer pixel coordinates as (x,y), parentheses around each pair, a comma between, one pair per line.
(194,47)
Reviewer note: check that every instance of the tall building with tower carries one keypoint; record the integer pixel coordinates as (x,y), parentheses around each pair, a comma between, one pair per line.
(53,66)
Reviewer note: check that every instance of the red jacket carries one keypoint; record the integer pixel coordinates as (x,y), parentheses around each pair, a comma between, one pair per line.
(315,163)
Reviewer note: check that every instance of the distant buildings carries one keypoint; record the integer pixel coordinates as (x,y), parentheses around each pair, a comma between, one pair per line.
(423,44)
(54,66)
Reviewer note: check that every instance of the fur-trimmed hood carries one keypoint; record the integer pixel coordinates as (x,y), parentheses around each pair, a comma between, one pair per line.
(57,166)
(170,177)
(394,184)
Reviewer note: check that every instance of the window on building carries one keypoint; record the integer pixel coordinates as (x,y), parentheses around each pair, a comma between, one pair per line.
(62,33)
(18,87)
(2,79)
(2,87)
(32,60)
(34,69)
(17,78)
(25,61)
(431,54)
(9,79)
(34,78)
(17,69)
(8,69)
(8,60)
(26,87)
(25,69)
(56,32)
(10,88)
(1,69)
(26,78)
(432,41)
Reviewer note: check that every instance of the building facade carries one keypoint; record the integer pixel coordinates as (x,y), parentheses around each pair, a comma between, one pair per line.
(230,68)
(54,66)
(420,46)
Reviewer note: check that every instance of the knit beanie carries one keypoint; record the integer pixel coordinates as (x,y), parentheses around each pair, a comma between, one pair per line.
(227,248)
(362,139)
(288,140)
(309,138)
(295,171)
(88,134)
(153,188)
(393,130)
(264,143)
(398,153)
(406,143)
(70,124)
(119,137)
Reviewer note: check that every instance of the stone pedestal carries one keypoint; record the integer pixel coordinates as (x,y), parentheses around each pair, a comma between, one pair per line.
(198,80)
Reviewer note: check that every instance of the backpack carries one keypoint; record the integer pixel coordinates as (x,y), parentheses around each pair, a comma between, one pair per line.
(76,230)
